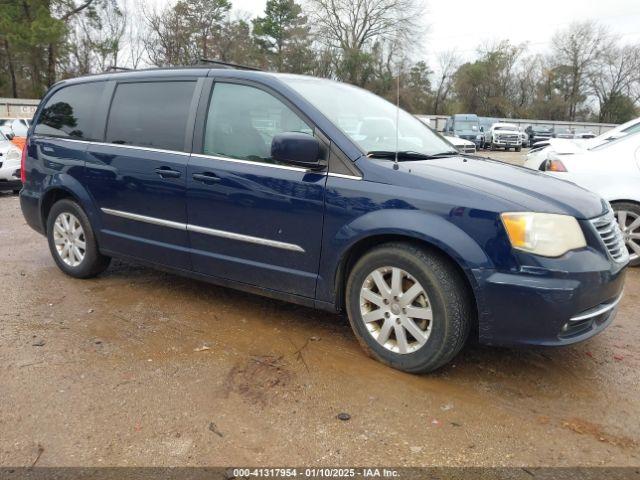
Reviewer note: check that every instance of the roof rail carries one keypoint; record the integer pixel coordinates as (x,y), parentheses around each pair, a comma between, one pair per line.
(228,64)
(115,68)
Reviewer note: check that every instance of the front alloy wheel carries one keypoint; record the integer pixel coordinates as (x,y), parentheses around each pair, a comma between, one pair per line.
(396,310)
(409,306)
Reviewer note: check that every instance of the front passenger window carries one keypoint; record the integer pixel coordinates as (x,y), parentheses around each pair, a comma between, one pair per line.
(242,121)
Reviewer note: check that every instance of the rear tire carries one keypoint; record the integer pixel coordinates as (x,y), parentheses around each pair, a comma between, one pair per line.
(379,319)
(631,212)
(518,149)
(72,242)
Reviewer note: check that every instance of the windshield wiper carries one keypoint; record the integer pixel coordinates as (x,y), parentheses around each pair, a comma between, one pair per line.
(409,155)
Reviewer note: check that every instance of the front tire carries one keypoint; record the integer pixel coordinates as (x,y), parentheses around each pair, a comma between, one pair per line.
(409,307)
(72,242)
(628,216)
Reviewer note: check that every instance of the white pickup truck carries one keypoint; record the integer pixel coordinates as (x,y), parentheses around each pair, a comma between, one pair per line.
(504,135)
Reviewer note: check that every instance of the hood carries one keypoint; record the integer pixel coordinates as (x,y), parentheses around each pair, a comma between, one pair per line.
(564,146)
(459,142)
(507,131)
(524,189)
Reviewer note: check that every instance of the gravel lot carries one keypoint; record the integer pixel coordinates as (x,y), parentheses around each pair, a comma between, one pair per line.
(139,367)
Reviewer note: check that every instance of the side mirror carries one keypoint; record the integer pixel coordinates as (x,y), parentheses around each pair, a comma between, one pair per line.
(296,148)
(481,128)
(10,135)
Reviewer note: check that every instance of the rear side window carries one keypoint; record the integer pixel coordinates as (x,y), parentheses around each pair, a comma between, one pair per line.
(150,114)
(70,112)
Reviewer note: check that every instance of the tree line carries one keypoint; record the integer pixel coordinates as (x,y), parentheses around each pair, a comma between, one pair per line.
(588,73)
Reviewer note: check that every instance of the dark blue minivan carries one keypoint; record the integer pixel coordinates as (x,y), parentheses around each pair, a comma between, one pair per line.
(307,190)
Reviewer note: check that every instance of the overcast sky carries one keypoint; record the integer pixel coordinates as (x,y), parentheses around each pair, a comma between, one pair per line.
(463,24)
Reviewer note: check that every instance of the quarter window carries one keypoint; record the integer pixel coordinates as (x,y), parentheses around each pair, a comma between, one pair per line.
(70,112)
(150,114)
(242,121)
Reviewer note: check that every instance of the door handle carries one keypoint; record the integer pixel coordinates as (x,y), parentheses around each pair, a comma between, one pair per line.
(166,172)
(206,177)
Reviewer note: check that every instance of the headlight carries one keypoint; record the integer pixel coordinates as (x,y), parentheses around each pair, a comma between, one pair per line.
(545,234)
(13,154)
(478,137)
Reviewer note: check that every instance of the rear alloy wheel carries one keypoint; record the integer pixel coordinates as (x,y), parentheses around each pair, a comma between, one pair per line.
(628,216)
(409,307)
(69,239)
(72,242)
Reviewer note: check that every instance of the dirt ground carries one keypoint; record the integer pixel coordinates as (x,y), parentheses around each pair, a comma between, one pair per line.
(143,368)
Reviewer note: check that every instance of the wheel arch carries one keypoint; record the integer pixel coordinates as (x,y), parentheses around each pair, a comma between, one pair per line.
(65,186)
(363,245)
(625,200)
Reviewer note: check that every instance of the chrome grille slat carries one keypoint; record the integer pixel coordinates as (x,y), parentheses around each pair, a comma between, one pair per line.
(610,234)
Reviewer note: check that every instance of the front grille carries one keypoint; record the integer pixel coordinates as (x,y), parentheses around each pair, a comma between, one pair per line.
(509,138)
(611,236)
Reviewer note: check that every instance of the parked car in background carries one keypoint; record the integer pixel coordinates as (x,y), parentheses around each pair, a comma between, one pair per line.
(538,133)
(460,144)
(628,128)
(20,126)
(418,244)
(9,165)
(15,129)
(465,126)
(7,131)
(612,170)
(563,133)
(504,135)
(559,146)
(584,135)
(485,126)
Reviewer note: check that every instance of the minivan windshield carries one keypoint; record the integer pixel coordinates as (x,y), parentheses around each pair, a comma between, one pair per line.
(367,119)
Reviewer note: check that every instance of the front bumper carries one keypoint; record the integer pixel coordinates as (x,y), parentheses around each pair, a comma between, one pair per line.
(507,143)
(472,138)
(549,306)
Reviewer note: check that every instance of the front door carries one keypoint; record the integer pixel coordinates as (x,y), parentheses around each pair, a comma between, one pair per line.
(138,175)
(251,220)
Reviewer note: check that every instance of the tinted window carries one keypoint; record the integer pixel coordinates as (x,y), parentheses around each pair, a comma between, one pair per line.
(243,120)
(150,114)
(69,112)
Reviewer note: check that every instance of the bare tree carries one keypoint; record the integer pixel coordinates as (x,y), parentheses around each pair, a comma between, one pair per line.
(353,28)
(448,64)
(614,79)
(135,33)
(182,33)
(575,51)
